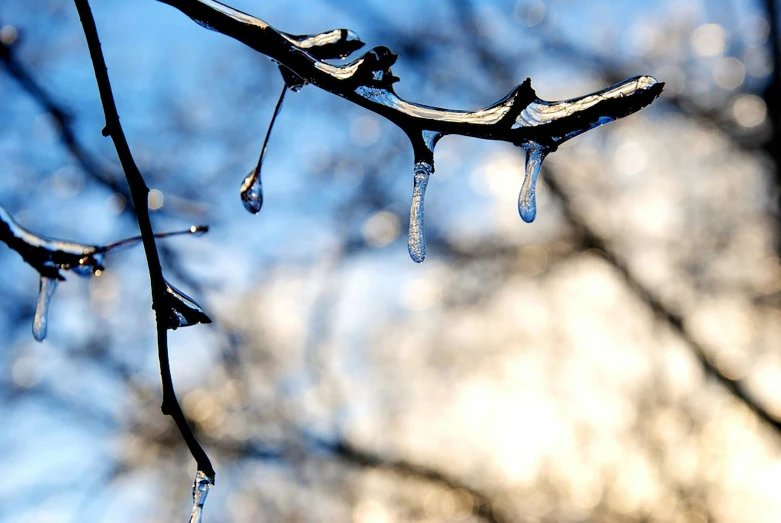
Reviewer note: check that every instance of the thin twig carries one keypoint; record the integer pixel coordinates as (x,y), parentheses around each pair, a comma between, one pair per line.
(139,194)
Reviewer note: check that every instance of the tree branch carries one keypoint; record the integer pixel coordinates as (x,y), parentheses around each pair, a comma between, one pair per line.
(518,118)
(161,302)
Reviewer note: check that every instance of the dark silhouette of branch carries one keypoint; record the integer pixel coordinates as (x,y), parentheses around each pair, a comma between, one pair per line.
(518,118)
(161,303)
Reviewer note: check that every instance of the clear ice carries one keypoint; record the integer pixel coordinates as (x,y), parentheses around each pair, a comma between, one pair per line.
(185,310)
(251,190)
(416,242)
(527,199)
(49,257)
(46,288)
(201,487)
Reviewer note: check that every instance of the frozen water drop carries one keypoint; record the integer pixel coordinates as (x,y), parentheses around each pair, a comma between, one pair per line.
(185,311)
(46,288)
(527,199)
(201,487)
(416,242)
(252,192)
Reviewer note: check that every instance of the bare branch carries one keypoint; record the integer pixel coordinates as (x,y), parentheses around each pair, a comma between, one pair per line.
(161,300)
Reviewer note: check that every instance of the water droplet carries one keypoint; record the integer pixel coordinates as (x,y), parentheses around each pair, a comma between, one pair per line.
(46,288)
(201,487)
(185,311)
(251,190)
(416,243)
(527,199)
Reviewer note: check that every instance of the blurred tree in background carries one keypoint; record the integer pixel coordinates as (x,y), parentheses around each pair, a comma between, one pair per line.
(617,360)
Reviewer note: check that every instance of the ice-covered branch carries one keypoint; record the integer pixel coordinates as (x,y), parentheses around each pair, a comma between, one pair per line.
(50,256)
(521,118)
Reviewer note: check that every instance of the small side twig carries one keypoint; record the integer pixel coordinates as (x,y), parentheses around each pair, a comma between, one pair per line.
(139,194)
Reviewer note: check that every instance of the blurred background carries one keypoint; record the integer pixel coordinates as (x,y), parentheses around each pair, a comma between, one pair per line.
(616,360)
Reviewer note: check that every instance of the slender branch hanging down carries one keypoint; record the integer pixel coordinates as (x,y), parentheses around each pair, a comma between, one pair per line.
(165,299)
(537,126)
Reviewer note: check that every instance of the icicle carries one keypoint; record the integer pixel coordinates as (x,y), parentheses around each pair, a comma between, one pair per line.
(527,199)
(46,288)
(201,487)
(416,242)
(185,311)
(251,190)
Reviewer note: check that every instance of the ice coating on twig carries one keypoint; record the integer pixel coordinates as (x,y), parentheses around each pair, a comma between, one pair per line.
(49,257)
(519,118)
(185,311)
(46,288)
(201,487)
(527,199)
(416,242)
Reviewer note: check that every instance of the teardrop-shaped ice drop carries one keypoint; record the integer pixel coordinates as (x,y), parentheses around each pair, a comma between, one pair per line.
(252,186)
(46,288)
(184,310)
(252,192)
(201,487)
(527,199)
(416,242)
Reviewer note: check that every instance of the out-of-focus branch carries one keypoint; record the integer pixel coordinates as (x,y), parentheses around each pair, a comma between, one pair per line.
(675,321)
(161,303)
(773,100)
(362,458)
(64,120)
(481,502)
